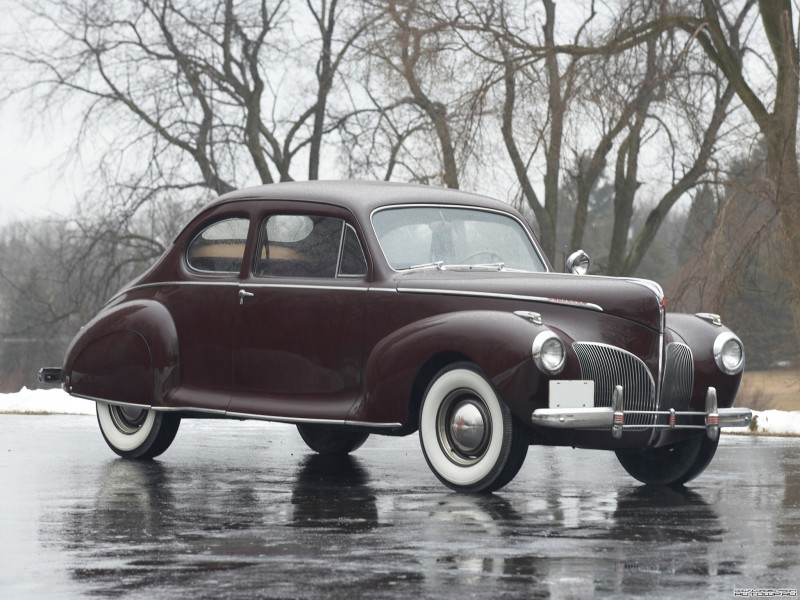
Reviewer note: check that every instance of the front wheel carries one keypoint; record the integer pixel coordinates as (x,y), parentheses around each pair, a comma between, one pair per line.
(671,465)
(330,440)
(136,432)
(469,437)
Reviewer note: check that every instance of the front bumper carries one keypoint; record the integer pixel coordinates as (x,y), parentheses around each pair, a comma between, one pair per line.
(615,417)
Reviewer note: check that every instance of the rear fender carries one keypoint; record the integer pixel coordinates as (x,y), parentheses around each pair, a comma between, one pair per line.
(128,353)
(398,369)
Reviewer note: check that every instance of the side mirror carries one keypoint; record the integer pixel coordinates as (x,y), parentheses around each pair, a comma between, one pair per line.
(578,262)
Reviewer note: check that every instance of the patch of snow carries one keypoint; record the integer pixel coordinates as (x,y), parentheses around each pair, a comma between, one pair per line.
(54,401)
(57,401)
(770,422)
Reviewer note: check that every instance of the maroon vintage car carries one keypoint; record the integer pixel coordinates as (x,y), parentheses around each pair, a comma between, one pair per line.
(352,308)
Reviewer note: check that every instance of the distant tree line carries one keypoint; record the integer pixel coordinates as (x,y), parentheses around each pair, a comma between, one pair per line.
(659,136)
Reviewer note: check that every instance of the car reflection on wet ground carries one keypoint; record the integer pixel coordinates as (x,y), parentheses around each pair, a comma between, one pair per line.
(244,510)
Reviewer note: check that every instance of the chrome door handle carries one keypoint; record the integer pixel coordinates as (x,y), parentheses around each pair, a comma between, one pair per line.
(244,294)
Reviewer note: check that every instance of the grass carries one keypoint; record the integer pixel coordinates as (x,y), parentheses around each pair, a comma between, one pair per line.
(765,390)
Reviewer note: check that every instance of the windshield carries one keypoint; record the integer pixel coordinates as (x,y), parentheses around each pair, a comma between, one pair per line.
(444,237)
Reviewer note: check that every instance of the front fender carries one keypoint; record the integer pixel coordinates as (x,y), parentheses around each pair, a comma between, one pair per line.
(499,343)
(699,335)
(127,353)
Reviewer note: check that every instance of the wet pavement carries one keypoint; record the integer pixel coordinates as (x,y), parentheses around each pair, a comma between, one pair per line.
(243,510)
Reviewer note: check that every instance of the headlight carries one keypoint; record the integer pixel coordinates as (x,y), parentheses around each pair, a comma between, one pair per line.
(729,353)
(548,353)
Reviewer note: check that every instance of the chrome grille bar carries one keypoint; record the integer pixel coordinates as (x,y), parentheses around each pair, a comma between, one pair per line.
(676,390)
(609,366)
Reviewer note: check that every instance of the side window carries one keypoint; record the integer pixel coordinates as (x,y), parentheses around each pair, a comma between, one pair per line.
(299,246)
(219,248)
(352,262)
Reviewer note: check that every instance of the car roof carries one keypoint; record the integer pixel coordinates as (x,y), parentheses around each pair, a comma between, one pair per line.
(360,197)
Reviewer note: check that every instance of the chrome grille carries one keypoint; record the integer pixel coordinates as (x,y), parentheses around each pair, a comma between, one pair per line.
(676,389)
(609,367)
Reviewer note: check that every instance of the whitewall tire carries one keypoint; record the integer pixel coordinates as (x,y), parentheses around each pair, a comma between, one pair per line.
(135,432)
(469,437)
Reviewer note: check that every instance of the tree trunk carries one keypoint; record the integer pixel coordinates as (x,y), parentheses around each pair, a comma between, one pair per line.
(556,109)
(784,177)
(325,73)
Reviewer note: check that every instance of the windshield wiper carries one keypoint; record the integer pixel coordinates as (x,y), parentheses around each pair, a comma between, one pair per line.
(495,266)
(439,264)
(485,266)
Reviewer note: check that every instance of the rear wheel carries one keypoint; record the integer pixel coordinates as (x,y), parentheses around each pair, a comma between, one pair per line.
(469,437)
(331,440)
(671,465)
(135,432)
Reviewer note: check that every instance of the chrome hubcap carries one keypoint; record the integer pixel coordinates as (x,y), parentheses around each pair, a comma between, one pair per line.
(467,427)
(464,427)
(127,419)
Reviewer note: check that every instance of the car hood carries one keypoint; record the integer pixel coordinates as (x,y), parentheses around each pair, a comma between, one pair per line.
(638,300)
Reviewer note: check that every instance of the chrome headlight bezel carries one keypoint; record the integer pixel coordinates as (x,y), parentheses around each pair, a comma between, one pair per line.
(721,354)
(542,345)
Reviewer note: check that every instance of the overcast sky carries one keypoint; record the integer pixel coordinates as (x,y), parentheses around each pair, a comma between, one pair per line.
(34,183)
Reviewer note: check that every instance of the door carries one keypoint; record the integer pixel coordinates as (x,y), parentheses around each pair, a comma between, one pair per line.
(203,310)
(299,320)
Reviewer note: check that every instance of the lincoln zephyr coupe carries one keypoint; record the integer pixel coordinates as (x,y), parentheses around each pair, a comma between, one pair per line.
(351,308)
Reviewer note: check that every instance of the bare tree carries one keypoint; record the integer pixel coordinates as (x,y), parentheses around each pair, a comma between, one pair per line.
(622,75)
(218,92)
(425,90)
(718,26)
(775,112)
(560,84)
(55,275)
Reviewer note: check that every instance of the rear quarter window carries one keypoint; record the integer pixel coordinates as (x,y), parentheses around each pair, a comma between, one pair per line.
(219,248)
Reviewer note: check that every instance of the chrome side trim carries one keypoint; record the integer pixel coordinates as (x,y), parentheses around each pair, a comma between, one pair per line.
(181,283)
(291,286)
(210,411)
(111,402)
(241,284)
(542,299)
(237,415)
(378,425)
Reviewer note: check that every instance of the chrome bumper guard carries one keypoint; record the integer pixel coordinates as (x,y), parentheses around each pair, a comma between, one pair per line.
(614,416)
